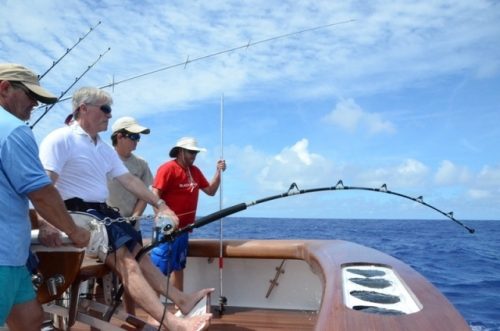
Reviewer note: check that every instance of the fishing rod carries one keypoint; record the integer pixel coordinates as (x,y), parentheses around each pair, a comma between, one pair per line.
(294,190)
(245,46)
(188,60)
(49,107)
(169,235)
(68,50)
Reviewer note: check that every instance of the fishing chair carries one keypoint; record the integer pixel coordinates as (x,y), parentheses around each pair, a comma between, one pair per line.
(66,279)
(67,284)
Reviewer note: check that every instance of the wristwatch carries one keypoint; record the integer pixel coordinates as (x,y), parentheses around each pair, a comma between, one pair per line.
(159,203)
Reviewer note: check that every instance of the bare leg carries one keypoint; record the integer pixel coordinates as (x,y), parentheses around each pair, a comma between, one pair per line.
(26,316)
(145,296)
(177,279)
(155,277)
(129,303)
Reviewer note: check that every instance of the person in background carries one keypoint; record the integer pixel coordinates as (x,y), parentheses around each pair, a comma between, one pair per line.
(23,179)
(79,162)
(178,182)
(125,137)
(126,134)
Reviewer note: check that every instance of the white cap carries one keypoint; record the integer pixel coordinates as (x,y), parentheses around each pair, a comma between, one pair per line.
(130,124)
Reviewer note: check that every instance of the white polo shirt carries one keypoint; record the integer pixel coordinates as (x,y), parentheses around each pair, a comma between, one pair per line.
(83,167)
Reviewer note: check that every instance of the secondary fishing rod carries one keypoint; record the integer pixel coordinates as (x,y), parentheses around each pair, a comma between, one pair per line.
(68,50)
(49,107)
(245,46)
(169,234)
(188,60)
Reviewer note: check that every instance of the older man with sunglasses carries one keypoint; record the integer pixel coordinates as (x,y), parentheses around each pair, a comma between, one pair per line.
(22,178)
(79,162)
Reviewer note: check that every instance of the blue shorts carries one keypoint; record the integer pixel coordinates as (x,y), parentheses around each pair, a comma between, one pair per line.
(16,288)
(119,233)
(170,257)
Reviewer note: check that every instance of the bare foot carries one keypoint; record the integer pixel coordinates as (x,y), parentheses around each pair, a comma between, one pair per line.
(192,299)
(195,323)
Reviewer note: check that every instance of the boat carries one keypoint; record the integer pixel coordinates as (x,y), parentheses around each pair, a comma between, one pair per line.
(267,284)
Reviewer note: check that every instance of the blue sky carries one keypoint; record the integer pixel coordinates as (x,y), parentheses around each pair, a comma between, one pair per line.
(407,94)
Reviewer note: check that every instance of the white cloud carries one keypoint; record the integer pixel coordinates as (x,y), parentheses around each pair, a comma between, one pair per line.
(448,174)
(489,176)
(351,117)
(478,194)
(409,173)
(294,164)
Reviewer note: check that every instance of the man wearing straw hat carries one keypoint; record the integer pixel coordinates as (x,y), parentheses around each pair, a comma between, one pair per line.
(23,178)
(178,182)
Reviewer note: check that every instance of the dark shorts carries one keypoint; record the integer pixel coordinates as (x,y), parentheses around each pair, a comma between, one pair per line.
(119,233)
(170,257)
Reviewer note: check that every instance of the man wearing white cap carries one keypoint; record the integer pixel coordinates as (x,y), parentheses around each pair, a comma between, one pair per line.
(23,178)
(125,137)
(178,182)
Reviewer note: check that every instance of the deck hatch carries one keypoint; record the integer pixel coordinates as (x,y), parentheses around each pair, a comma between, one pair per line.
(376,289)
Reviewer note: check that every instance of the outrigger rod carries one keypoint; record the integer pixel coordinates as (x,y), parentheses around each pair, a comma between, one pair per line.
(293,190)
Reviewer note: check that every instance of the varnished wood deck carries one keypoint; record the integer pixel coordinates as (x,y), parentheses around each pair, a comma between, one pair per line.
(326,259)
(241,319)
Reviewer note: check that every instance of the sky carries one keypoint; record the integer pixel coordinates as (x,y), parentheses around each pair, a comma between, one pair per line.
(402,93)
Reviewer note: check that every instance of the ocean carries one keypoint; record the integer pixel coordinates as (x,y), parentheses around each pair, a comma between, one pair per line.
(464,267)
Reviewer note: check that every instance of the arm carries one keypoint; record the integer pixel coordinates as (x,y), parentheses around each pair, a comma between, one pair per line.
(48,203)
(212,188)
(139,208)
(135,186)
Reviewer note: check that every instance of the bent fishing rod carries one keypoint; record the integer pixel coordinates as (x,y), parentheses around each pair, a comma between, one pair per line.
(169,235)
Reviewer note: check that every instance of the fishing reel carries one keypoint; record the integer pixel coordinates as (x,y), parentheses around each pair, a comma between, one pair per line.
(164,226)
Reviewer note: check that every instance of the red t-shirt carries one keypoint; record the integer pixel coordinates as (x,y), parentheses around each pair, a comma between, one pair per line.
(179,190)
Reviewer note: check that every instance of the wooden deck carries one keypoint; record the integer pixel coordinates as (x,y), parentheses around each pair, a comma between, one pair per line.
(241,319)
(326,259)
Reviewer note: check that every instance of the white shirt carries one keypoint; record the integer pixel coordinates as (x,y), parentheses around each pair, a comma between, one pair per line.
(82,166)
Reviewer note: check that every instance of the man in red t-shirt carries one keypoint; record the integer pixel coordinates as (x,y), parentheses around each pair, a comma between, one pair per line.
(178,182)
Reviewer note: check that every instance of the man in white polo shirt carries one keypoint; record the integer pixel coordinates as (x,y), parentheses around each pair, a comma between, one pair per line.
(79,162)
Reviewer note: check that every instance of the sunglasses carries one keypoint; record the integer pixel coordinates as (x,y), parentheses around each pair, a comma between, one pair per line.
(133,136)
(191,152)
(26,91)
(106,109)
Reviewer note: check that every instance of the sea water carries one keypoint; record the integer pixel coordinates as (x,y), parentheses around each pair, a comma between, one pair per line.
(464,267)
